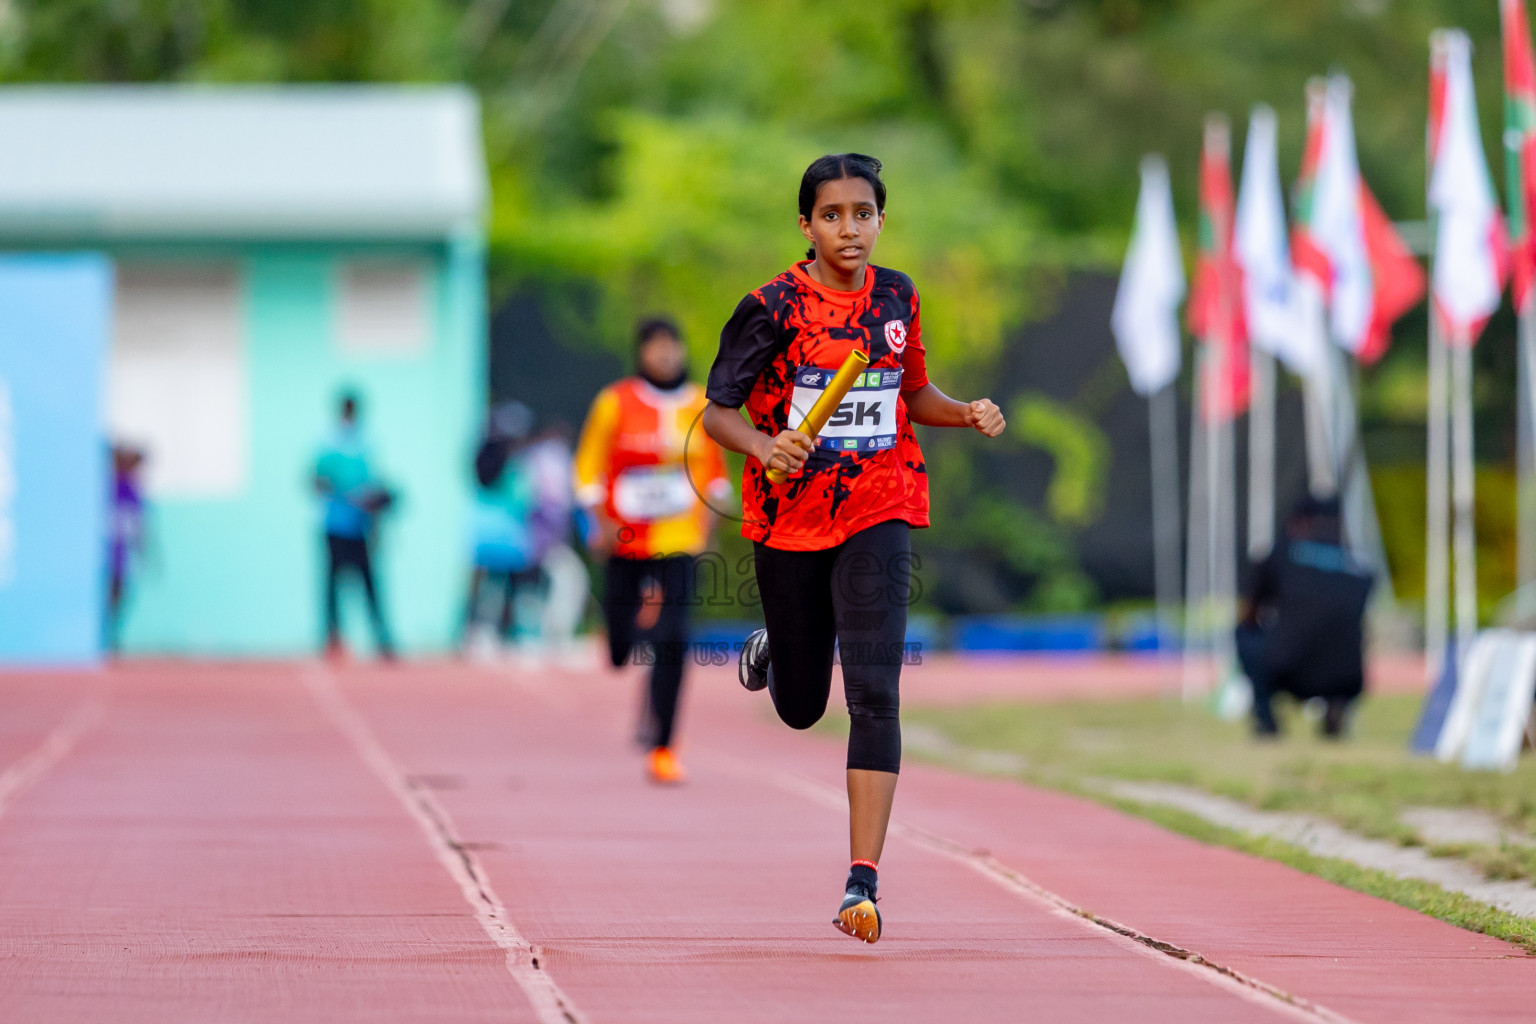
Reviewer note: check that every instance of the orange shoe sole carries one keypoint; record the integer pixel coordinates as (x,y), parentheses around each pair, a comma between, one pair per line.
(861,920)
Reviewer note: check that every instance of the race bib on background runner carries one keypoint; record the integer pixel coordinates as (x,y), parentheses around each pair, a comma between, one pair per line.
(866,419)
(644,494)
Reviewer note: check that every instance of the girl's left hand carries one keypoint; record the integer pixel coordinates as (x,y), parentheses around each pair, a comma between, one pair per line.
(985,416)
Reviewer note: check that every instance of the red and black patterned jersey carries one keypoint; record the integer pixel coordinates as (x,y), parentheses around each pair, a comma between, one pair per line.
(779,349)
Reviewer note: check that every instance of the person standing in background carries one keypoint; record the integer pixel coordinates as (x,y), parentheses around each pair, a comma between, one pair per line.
(564,594)
(353,500)
(640,476)
(125,536)
(503,539)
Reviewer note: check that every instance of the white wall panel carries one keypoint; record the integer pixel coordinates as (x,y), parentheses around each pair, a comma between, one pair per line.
(178,379)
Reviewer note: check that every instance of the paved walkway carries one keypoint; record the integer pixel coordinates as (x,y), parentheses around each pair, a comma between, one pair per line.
(438,843)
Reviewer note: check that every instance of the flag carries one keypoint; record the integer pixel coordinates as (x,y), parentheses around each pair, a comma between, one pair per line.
(1216,303)
(1346,250)
(1396,275)
(1262,252)
(1332,248)
(1519,146)
(1309,286)
(1146,313)
(1469,269)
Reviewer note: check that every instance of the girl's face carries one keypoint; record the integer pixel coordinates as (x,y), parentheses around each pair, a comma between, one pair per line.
(662,356)
(844,224)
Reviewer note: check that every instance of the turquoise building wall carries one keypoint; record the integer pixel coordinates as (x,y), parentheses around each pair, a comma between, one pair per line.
(243,576)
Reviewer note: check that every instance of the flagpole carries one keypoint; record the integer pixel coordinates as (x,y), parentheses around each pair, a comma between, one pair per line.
(1316,397)
(1222,500)
(1350,333)
(1437,470)
(1467,282)
(1438,527)
(1322,422)
(1225,578)
(1214,505)
(1525,471)
(1319,461)
(1519,129)
(1268,296)
(1218,399)
(1462,498)
(1144,320)
(1163,432)
(1196,552)
(1324,387)
(1358,494)
(1261,454)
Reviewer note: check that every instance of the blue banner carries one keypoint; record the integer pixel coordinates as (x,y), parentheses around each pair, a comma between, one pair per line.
(55,324)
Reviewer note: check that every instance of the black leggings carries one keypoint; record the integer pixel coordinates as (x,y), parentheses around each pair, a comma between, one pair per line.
(351,554)
(854,595)
(669,637)
(512,583)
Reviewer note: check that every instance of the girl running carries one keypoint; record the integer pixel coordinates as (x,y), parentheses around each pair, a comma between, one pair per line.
(642,485)
(831,550)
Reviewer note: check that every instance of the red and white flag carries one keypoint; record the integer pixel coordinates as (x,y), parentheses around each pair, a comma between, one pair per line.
(1216,303)
(1470,253)
(1346,250)
(1263,253)
(1519,147)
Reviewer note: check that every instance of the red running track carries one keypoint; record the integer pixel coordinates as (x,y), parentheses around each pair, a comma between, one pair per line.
(437,843)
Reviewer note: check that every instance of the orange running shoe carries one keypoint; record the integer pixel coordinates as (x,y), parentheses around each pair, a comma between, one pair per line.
(664,767)
(858,916)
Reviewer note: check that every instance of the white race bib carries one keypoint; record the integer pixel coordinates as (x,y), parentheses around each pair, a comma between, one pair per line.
(866,418)
(644,494)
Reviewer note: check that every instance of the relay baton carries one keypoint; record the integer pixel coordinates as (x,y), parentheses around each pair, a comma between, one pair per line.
(827,404)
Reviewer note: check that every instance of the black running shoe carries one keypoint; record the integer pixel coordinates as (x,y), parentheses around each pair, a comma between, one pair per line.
(858,916)
(752,668)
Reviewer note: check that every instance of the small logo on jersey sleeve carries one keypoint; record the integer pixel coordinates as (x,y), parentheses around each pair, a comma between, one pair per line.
(896,336)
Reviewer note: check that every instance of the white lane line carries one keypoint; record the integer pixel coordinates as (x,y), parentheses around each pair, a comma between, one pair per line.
(1243,985)
(59,742)
(551,1005)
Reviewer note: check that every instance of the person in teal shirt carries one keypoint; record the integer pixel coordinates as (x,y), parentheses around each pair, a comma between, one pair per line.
(353,499)
(502,538)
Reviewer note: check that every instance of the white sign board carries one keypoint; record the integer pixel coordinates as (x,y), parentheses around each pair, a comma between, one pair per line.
(1492,707)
